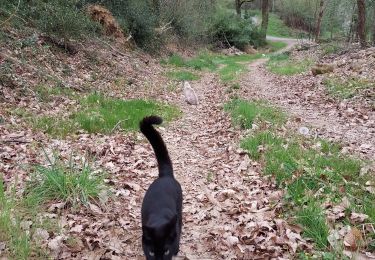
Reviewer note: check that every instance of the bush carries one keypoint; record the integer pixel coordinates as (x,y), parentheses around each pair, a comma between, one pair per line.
(60,18)
(135,17)
(189,19)
(228,28)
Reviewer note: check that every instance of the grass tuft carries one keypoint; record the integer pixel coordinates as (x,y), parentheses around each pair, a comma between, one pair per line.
(244,113)
(74,184)
(101,114)
(47,93)
(182,75)
(311,217)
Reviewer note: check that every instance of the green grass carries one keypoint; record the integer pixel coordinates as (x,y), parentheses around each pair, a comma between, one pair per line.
(276,27)
(228,67)
(275,46)
(182,75)
(312,171)
(64,182)
(57,126)
(345,89)
(74,184)
(100,114)
(281,64)
(245,113)
(17,240)
(47,93)
(312,218)
(13,214)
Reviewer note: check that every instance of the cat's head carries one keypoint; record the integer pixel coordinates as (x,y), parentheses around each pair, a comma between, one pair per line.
(160,239)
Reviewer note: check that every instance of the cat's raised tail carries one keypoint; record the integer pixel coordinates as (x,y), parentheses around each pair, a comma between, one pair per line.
(157,143)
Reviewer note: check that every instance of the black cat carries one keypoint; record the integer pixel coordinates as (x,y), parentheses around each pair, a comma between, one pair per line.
(162,204)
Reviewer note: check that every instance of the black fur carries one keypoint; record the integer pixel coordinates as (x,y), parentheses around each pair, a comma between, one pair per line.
(162,204)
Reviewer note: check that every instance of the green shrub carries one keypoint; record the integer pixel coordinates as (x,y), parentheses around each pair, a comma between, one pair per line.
(227,27)
(60,18)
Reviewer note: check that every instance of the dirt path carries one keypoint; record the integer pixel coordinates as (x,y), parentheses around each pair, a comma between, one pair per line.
(311,107)
(229,207)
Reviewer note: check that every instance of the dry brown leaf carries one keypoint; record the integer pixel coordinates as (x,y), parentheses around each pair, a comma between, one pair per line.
(353,239)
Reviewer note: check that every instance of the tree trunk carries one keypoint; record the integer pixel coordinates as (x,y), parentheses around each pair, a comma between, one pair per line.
(373,26)
(361,22)
(319,20)
(238,7)
(265,14)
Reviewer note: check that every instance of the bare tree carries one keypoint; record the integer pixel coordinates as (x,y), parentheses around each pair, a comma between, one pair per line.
(361,22)
(265,15)
(319,20)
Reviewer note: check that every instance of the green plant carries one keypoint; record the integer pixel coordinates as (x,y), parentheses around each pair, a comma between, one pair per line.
(72,183)
(228,28)
(313,172)
(47,93)
(182,75)
(275,46)
(282,64)
(244,113)
(103,114)
(60,18)
(13,232)
(312,219)
(331,48)
(100,114)
(345,89)
(228,67)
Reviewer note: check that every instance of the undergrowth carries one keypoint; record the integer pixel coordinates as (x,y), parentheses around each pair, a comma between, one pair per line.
(245,113)
(344,89)
(276,27)
(313,172)
(282,64)
(228,67)
(68,182)
(182,75)
(20,213)
(100,114)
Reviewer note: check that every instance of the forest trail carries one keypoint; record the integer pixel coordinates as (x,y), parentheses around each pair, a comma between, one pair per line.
(229,206)
(310,107)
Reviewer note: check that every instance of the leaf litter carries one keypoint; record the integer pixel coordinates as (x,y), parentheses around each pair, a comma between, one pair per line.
(231,211)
